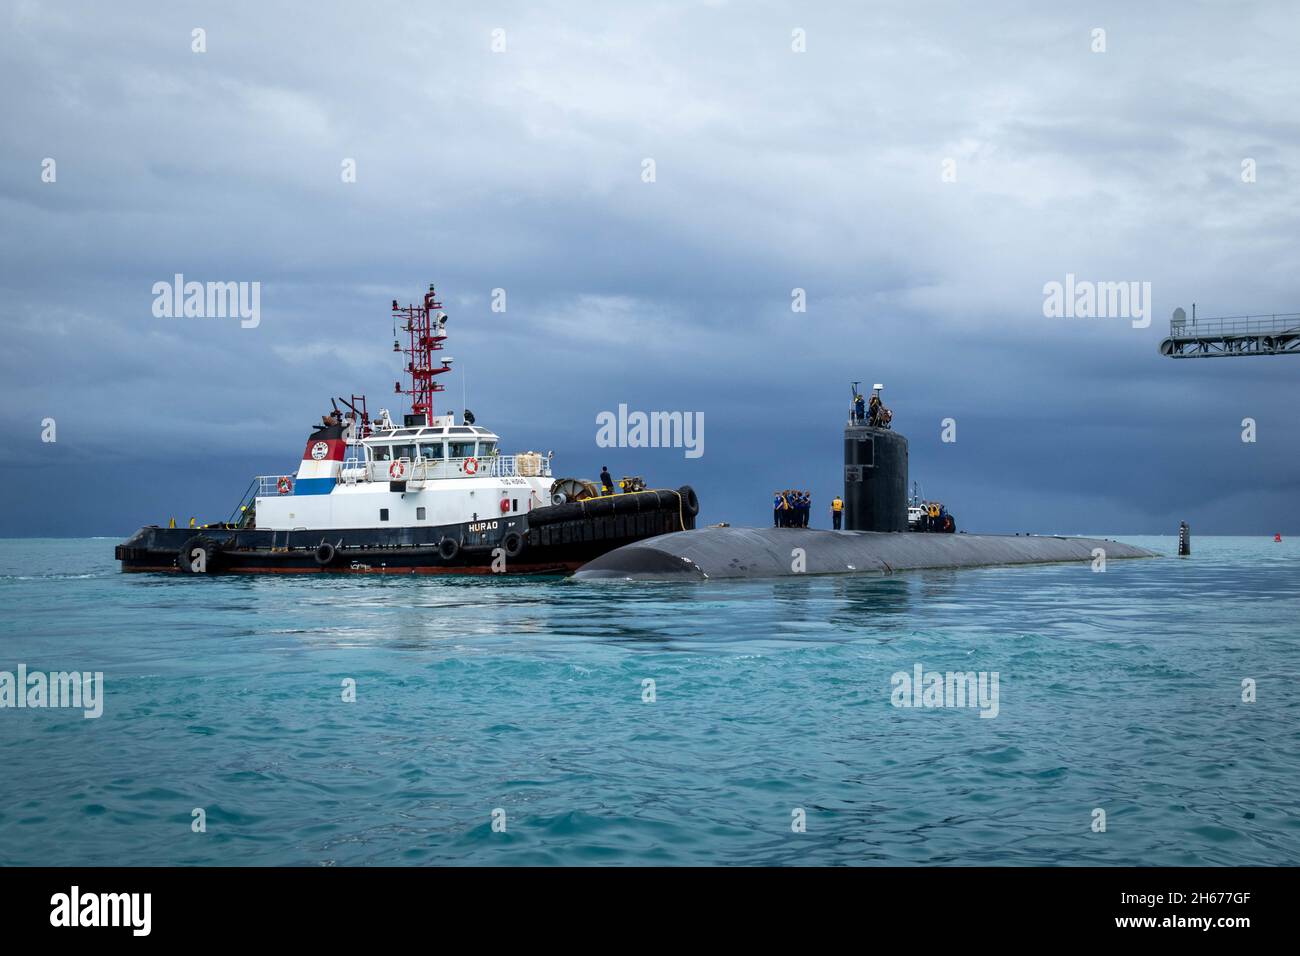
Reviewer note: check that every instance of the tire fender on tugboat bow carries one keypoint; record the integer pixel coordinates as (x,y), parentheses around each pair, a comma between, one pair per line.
(189,556)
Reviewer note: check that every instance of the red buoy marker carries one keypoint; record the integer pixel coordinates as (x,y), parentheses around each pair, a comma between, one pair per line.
(1277,537)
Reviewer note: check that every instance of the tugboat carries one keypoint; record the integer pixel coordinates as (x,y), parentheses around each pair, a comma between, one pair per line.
(428,496)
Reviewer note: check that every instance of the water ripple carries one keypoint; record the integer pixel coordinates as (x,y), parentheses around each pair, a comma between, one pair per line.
(540,721)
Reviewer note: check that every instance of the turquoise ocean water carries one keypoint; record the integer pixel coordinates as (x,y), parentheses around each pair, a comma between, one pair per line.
(1119,691)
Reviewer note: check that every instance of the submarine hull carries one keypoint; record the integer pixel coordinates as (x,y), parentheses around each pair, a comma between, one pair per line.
(713,553)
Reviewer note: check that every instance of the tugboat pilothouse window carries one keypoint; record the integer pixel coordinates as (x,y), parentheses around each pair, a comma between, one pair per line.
(488,448)
(403,451)
(460,449)
(382,452)
(433,451)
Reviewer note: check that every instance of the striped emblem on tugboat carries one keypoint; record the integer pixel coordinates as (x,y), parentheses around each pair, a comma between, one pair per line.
(322,461)
(326,449)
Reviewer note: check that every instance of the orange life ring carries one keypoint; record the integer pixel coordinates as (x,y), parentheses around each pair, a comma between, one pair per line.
(396,470)
(471,466)
(284,485)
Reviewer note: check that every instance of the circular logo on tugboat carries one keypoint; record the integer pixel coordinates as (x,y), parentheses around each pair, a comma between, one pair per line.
(319,450)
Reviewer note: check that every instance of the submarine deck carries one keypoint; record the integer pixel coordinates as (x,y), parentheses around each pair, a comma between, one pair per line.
(710,553)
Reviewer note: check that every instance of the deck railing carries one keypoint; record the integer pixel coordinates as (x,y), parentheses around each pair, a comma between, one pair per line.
(418,470)
(1235,325)
(267,485)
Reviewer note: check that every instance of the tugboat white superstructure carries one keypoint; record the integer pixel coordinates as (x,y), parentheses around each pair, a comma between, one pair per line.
(429,495)
(440,473)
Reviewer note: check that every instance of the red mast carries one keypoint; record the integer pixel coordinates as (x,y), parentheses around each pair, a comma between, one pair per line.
(426,328)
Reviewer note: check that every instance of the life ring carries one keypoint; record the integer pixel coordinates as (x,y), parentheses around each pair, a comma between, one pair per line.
(512,544)
(448,548)
(471,466)
(284,485)
(325,554)
(396,470)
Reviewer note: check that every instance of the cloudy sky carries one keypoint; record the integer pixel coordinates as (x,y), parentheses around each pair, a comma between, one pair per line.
(522,169)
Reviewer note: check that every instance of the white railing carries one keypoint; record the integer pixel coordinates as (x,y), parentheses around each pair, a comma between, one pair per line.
(507,466)
(428,469)
(420,470)
(1236,325)
(269,485)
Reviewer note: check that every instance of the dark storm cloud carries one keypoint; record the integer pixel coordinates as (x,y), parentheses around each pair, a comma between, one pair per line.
(775,170)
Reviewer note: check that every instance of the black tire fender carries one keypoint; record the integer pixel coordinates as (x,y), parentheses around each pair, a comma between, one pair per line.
(512,544)
(325,554)
(448,548)
(690,501)
(188,554)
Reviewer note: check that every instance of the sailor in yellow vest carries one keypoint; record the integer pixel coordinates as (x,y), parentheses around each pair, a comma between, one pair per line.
(837,510)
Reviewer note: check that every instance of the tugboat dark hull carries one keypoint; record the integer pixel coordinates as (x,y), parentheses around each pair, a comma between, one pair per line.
(554,540)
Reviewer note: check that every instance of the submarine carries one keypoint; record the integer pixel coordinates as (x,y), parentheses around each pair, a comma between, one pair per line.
(875,540)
